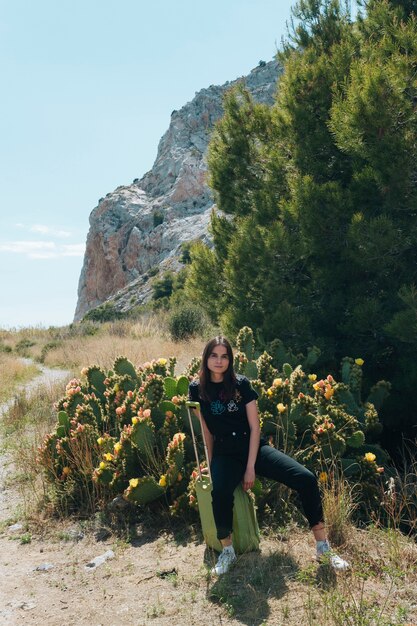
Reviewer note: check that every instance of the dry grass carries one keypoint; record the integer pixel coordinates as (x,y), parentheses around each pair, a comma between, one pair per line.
(102,350)
(339,506)
(22,430)
(13,372)
(80,345)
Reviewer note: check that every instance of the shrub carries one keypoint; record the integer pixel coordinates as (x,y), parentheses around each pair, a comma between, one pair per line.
(185,322)
(106,312)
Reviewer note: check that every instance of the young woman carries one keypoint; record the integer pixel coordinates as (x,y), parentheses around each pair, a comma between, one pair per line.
(237,452)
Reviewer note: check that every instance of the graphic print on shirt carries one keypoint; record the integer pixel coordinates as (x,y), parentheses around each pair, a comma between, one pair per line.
(217,407)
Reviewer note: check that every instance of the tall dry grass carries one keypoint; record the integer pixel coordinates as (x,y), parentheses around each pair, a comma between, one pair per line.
(13,372)
(139,341)
(22,430)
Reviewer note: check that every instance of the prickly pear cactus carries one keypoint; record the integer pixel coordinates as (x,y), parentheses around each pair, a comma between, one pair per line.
(193,368)
(266,373)
(245,342)
(123,367)
(153,390)
(143,490)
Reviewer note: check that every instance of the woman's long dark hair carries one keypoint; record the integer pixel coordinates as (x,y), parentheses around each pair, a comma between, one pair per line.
(229,378)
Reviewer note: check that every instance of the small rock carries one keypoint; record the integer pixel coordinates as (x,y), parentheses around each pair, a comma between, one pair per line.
(15,528)
(99,560)
(25,606)
(43,568)
(75,535)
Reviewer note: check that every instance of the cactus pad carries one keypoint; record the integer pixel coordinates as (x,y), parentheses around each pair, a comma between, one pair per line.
(146,490)
(170,387)
(123,367)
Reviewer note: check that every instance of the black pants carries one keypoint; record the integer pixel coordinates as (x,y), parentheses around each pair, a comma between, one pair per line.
(228,467)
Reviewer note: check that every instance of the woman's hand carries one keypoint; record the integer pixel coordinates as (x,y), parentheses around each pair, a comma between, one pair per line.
(249,478)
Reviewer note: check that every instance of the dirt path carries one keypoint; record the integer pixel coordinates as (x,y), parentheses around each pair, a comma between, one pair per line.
(8,496)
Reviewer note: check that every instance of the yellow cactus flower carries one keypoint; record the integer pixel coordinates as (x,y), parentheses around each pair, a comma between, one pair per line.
(359,362)
(66,470)
(108,456)
(162,361)
(312,377)
(100,441)
(133,482)
(102,465)
(135,420)
(323,477)
(269,392)
(277,382)
(316,386)
(370,457)
(281,407)
(117,447)
(163,481)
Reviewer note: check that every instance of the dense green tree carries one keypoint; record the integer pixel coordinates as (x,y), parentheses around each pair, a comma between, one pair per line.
(320,191)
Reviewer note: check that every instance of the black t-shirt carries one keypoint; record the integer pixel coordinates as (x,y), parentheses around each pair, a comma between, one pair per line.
(224,416)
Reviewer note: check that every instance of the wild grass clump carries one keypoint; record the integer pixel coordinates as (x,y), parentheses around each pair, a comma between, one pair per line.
(13,372)
(22,429)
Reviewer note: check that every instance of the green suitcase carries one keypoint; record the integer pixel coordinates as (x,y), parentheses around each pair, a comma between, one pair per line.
(245,525)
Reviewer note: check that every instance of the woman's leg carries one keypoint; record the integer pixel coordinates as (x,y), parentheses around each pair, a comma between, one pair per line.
(271,463)
(226,474)
(274,464)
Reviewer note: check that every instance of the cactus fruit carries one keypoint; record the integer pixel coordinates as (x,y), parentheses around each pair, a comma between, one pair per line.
(143,490)
(123,367)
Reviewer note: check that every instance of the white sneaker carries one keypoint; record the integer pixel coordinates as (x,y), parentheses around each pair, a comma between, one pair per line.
(226,558)
(326,555)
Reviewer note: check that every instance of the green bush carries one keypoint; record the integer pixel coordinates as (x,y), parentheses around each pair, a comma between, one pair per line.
(106,312)
(185,322)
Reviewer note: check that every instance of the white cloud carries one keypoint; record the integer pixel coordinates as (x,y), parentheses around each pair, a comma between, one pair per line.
(42,229)
(42,249)
(47,230)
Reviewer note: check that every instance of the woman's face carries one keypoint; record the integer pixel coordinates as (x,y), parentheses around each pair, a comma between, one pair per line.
(218,361)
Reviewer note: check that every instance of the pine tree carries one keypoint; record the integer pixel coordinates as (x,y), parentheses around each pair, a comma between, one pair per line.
(321,194)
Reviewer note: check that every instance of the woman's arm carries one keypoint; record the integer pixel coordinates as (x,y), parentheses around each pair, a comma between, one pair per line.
(252,415)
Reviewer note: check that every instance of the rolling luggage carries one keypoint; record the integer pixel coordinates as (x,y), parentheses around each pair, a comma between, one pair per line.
(245,526)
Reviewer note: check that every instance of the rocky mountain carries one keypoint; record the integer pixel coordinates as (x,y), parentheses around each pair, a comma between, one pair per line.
(136,231)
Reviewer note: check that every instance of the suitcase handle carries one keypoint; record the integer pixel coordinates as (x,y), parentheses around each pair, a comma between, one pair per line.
(196,405)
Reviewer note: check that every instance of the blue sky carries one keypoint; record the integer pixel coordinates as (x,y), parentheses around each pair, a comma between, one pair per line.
(88,89)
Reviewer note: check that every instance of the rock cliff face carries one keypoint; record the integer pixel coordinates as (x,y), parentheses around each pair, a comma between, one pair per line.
(137,230)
